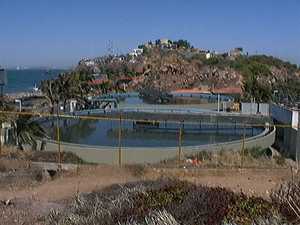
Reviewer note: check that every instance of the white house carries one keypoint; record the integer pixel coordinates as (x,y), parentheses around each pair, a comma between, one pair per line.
(87,62)
(208,55)
(136,52)
(236,52)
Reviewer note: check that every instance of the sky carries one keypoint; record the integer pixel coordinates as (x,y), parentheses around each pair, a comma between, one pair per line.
(58,33)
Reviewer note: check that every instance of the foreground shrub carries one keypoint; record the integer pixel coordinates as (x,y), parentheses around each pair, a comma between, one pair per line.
(166,202)
(287,197)
(248,211)
(155,218)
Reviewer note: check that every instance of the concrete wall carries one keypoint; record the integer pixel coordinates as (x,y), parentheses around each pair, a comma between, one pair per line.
(249,108)
(295,120)
(255,108)
(281,114)
(264,109)
(288,135)
(109,155)
(286,140)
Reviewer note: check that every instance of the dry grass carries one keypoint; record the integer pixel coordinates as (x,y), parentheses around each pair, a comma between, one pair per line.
(215,170)
(288,199)
(165,202)
(249,158)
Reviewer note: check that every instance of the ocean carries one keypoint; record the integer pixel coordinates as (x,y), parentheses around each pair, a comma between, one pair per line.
(25,80)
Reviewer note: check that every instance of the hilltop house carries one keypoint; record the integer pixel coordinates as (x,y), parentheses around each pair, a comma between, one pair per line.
(208,55)
(164,43)
(87,62)
(123,82)
(136,52)
(99,79)
(236,52)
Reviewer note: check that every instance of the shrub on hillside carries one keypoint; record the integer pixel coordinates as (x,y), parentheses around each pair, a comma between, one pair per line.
(166,202)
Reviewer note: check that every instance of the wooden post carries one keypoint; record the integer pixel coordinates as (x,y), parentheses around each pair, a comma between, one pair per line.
(243,147)
(120,144)
(218,102)
(179,145)
(58,139)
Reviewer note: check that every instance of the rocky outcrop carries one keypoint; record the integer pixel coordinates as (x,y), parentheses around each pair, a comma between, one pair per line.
(171,71)
(161,70)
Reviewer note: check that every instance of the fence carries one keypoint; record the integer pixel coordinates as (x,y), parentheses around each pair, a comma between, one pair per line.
(147,138)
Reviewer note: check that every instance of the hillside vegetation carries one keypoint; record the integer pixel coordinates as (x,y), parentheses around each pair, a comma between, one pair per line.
(167,66)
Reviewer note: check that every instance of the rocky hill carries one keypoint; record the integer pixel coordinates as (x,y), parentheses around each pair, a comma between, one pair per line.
(166,66)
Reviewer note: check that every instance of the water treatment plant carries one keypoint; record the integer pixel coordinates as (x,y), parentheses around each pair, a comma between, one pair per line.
(153,132)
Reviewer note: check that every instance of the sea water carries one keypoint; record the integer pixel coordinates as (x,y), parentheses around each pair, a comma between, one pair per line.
(25,80)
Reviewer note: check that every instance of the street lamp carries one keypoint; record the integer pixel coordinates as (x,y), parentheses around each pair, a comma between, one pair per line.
(20,104)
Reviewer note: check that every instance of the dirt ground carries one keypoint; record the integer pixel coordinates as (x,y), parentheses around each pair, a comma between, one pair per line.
(29,204)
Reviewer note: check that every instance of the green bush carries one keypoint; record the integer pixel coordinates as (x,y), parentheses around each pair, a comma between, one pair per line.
(245,210)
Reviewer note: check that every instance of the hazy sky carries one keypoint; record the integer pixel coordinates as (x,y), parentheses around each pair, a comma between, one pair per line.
(60,32)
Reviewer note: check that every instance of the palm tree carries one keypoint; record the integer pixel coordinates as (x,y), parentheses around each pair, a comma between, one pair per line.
(67,86)
(27,131)
(51,92)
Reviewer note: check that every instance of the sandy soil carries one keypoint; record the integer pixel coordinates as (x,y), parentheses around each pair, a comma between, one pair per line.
(257,182)
(68,185)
